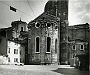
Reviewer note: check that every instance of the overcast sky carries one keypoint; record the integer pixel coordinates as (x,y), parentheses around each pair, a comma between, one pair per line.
(79,11)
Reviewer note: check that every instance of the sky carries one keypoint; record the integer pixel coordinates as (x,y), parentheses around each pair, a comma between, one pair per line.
(79,12)
(27,10)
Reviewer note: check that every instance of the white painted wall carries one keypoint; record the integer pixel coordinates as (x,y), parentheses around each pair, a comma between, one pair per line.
(12,46)
(11,55)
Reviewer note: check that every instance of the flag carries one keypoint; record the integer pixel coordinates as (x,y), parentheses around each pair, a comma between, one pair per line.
(13,9)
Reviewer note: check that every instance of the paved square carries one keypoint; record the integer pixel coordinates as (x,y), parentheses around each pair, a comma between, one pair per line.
(40,70)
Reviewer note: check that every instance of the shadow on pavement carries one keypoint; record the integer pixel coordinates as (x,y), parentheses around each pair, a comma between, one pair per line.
(71,71)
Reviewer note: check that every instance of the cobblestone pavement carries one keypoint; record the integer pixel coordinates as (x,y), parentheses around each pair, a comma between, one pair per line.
(40,70)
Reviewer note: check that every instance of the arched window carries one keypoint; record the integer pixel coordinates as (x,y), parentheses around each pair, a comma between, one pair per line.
(37,44)
(55,45)
(48,44)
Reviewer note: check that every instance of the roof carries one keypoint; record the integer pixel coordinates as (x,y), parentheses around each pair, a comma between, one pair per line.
(9,28)
(18,22)
(79,26)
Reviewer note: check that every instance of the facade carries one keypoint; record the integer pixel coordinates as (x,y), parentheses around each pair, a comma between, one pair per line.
(43,39)
(20,34)
(59,8)
(15,52)
(79,43)
(18,27)
(48,39)
(13,42)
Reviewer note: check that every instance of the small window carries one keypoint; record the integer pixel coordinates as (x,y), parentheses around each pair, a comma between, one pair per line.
(9,50)
(74,47)
(21,28)
(48,44)
(15,51)
(8,59)
(37,25)
(15,59)
(81,47)
(48,25)
(37,44)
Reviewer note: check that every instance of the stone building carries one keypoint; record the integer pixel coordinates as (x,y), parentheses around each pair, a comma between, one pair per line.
(59,8)
(13,42)
(78,37)
(15,52)
(20,34)
(5,34)
(43,39)
(9,48)
(18,27)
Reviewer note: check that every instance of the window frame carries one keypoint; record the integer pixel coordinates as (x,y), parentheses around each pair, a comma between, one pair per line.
(35,44)
(15,51)
(8,50)
(80,47)
(15,60)
(46,44)
(73,48)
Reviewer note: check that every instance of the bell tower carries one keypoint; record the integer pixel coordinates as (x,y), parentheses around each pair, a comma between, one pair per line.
(57,8)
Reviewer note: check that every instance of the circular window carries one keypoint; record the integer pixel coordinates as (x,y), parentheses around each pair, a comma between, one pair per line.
(48,24)
(37,25)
